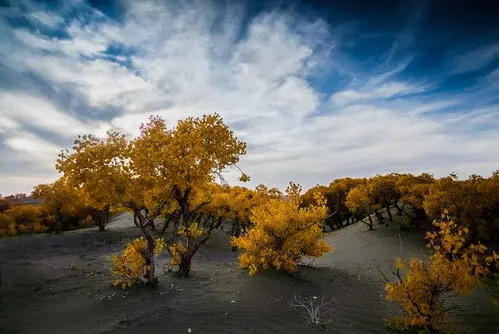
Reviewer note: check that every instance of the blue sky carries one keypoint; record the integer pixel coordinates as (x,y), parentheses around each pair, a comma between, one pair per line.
(351,88)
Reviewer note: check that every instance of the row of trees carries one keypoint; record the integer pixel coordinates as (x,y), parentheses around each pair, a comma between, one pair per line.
(171,173)
(474,202)
(62,208)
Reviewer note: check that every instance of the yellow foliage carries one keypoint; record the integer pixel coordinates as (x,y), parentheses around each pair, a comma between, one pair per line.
(282,234)
(95,168)
(22,219)
(161,171)
(413,189)
(7,226)
(191,231)
(130,266)
(176,250)
(453,266)
(358,200)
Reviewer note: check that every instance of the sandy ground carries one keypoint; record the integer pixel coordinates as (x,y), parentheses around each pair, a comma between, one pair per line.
(61,284)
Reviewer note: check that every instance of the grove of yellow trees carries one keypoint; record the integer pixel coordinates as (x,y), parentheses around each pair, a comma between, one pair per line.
(177,173)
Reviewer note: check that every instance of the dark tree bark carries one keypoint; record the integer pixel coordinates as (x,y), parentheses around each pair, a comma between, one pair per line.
(236,230)
(184,269)
(149,257)
(387,205)
(400,210)
(370,223)
(149,251)
(380,218)
(339,222)
(135,220)
(101,217)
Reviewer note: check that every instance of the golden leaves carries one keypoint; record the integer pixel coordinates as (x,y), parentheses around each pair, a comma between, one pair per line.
(282,234)
(454,265)
(358,199)
(130,266)
(244,178)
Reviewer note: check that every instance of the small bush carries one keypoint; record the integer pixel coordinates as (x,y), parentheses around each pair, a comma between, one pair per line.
(130,267)
(7,226)
(283,233)
(26,218)
(455,265)
(87,222)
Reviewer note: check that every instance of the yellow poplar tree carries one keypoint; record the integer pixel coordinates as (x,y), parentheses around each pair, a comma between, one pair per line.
(159,170)
(62,204)
(283,233)
(200,149)
(359,202)
(97,169)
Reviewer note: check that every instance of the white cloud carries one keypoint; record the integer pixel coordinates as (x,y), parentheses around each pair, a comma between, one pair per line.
(33,146)
(188,60)
(475,59)
(383,91)
(17,109)
(46,18)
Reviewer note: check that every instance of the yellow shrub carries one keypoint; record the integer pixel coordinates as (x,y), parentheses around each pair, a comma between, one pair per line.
(282,234)
(454,266)
(130,266)
(177,250)
(26,219)
(186,234)
(87,222)
(7,226)
(38,228)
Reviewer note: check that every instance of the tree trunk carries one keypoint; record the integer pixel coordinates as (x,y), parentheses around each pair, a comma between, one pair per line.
(420,216)
(101,217)
(185,267)
(165,226)
(149,250)
(338,221)
(149,256)
(135,220)
(370,223)
(400,211)
(380,217)
(236,231)
(102,227)
(389,212)
(219,224)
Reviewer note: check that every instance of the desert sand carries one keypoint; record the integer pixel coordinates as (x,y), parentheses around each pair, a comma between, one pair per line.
(61,284)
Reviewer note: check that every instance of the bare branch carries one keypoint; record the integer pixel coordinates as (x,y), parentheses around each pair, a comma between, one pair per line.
(313,308)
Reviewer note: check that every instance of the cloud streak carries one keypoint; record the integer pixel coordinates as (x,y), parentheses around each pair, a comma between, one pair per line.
(309,111)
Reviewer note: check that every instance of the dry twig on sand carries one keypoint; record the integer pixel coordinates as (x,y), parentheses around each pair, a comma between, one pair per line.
(102,299)
(314,308)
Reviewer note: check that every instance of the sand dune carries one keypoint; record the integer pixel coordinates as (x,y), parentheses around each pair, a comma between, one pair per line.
(59,284)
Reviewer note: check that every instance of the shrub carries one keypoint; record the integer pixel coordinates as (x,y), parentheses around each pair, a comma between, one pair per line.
(130,267)
(454,266)
(283,233)
(25,217)
(7,226)
(87,222)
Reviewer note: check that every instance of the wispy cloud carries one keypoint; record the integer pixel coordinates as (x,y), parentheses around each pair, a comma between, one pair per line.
(309,111)
(475,59)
